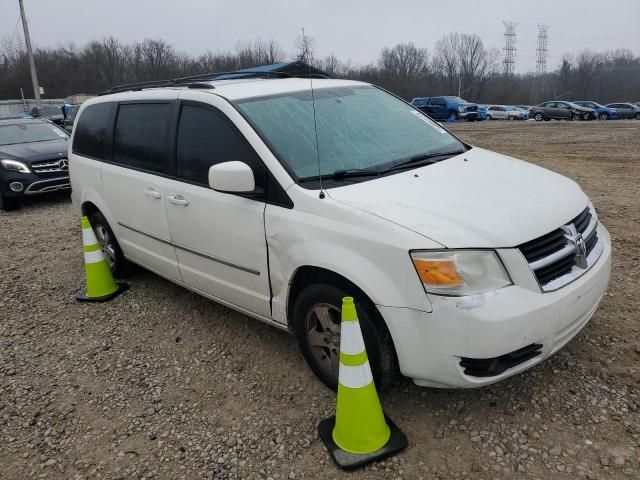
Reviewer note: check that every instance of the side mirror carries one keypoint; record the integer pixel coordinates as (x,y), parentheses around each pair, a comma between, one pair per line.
(232,177)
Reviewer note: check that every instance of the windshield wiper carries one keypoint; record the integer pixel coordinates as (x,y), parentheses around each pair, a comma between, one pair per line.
(338,174)
(424,158)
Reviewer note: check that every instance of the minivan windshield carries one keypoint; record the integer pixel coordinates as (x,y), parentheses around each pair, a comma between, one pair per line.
(30,132)
(358,128)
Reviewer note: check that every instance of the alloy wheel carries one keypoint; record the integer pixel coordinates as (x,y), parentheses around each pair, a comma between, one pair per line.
(106,245)
(322,327)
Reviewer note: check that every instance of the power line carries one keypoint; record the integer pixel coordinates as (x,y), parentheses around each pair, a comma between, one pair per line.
(509,47)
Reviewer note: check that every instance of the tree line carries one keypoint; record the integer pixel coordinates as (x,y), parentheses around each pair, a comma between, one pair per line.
(458,64)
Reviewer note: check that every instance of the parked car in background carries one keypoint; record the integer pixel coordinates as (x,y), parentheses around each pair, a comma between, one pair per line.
(33,160)
(561,110)
(70,116)
(447,108)
(503,112)
(525,111)
(482,112)
(53,113)
(466,266)
(626,110)
(604,113)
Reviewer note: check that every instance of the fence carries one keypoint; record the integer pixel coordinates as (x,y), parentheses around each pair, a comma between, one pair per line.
(12,108)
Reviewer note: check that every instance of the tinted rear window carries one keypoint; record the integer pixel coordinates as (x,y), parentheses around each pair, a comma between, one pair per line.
(92,129)
(140,137)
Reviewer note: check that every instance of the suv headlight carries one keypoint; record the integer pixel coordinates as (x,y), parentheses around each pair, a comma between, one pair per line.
(460,272)
(461,108)
(15,166)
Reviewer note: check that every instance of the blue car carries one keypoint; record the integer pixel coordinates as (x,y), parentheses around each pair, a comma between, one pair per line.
(482,112)
(604,113)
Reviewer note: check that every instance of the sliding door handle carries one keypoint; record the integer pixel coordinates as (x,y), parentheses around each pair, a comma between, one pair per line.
(153,193)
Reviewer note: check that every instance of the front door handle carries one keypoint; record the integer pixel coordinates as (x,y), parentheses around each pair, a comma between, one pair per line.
(150,192)
(178,200)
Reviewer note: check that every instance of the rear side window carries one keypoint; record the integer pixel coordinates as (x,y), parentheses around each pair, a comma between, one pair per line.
(438,101)
(92,131)
(140,137)
(205,138)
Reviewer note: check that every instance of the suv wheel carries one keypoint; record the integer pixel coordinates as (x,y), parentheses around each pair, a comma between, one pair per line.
(120,267)
(453,116)
(8,203)
(317,319)
(538,117)
(603,116)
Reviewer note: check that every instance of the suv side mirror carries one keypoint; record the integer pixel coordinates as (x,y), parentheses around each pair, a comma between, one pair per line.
(232,177)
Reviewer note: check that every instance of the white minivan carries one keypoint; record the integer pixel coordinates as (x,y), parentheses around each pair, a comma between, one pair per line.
(277,199)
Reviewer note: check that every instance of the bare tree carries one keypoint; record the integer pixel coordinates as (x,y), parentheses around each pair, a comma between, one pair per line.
(305,46)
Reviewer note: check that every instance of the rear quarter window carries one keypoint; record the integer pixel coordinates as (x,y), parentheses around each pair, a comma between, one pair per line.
(140,136)
(92,131)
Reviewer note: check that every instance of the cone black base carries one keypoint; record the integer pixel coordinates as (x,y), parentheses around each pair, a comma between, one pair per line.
(82,296)
(348,461)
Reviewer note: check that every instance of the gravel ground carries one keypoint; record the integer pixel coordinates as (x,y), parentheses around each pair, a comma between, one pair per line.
(163,384)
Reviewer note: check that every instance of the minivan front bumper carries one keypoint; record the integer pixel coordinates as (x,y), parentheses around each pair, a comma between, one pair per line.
(503,332)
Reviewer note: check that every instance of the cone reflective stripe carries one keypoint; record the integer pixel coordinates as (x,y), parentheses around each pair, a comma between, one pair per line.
(359,433)
(100,285)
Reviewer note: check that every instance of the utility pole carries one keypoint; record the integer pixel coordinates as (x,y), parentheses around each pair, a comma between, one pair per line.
(32,63)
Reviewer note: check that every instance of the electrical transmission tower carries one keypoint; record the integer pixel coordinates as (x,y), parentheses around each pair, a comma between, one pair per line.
(541,51)
(509,61)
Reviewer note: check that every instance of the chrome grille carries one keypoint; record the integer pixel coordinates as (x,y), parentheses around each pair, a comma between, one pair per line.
(50,166)
(554,258)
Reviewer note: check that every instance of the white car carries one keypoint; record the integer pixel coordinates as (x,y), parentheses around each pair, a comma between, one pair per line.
(502,112)
(467,266)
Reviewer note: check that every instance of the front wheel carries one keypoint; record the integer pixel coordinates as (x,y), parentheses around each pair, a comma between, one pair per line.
(575,116)
(637,116)
(453,116)
(488,117)
(120,267)
(603,116)
(538,117)
(317,321)
(8,203)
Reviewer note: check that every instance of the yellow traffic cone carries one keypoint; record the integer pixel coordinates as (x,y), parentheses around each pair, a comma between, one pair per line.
(360,433)
(100,284)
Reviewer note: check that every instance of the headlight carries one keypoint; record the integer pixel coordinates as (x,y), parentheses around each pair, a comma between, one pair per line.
(15,166)
(461,108)
(460,272)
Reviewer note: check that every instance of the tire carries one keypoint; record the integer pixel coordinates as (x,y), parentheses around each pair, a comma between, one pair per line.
(637,117)
(453,116)
(538,117)
(327,299)
(8,203)
(575,117)
(120,267)
(586,116)
(603,116)
(488,117)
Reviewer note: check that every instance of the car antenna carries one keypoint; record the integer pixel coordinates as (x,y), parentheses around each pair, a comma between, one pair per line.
(315,123)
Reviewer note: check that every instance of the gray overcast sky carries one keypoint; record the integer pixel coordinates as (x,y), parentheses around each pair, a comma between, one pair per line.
(352,29)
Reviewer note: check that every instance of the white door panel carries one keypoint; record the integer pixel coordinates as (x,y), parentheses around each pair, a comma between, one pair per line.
(138,206)
(220,244)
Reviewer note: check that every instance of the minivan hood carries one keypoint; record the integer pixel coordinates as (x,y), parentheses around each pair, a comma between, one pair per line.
(479,199)
(30,152)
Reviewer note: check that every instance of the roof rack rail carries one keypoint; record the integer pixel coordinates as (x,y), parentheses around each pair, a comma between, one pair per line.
(277,70)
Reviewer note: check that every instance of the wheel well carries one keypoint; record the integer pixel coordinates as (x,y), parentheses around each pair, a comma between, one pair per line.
(88,209)
(309,275)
